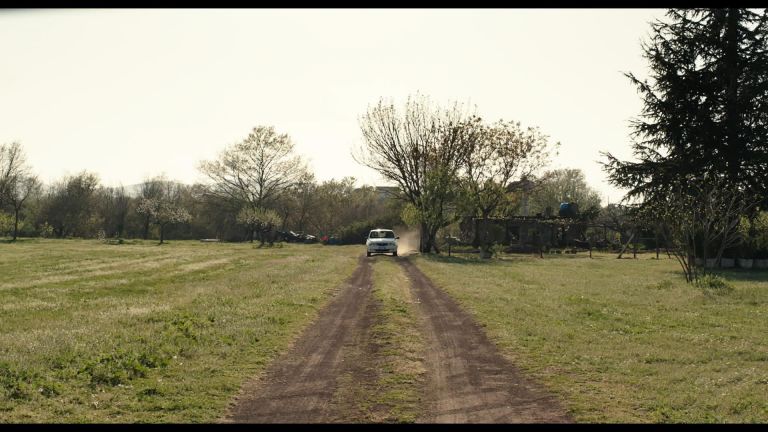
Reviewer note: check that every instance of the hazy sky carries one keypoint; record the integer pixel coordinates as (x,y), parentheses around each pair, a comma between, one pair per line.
(133,93)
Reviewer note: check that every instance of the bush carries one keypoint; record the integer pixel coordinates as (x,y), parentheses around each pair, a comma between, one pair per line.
(714,283)
(46,230)
(357,232)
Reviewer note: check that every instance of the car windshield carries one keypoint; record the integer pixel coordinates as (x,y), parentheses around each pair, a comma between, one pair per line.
(382,234)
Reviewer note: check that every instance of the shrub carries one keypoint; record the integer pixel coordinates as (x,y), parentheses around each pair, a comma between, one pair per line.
(714,283)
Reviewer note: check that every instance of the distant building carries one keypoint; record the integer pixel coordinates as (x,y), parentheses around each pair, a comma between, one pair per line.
(386,192)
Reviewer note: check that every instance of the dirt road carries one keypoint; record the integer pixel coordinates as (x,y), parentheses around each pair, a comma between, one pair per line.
(470,382)
(318,380)
(300,386)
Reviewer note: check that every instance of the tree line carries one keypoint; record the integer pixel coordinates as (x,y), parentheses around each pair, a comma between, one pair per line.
(259,187)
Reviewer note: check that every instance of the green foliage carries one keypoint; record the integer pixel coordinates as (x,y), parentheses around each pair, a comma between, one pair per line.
(714,283)
(46,230)
(761,235)
(6,223)
(410,215)
(703,104)
(357,232)
(121,366)
(564,185)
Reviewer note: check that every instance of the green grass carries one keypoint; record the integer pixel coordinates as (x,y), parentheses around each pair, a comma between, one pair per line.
(400,361)
(91,332)
(623,340)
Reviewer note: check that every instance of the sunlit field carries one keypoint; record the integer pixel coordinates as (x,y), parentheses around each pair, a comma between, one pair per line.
(92,332)
(623,340)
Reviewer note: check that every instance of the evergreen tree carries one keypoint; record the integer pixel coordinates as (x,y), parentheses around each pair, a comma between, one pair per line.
(705,108)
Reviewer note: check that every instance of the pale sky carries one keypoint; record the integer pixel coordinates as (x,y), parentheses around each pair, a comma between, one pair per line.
(129,94)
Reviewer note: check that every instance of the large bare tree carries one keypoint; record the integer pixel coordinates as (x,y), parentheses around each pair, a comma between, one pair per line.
(255,171)
(420,148)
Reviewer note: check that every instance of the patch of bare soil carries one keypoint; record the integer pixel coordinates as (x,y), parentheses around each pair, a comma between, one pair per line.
(303,386)
(469,380)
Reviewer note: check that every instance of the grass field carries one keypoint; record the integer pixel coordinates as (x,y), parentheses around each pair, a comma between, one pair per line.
(91,332)
(623,340)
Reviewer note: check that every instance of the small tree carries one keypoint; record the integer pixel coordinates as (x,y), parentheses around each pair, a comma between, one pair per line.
(165,209)
(12,167)
(705,221)
(498,154)
(18,191)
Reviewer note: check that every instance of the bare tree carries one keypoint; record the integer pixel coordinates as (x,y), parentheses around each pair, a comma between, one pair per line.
(420,149)
(13,164)
(700,217)
(18,191)
(498,154)
(295,205)
(150,189)
(114,206)
(256,170)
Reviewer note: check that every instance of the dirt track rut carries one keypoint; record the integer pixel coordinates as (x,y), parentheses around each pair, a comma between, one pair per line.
(469,381)
(299,387)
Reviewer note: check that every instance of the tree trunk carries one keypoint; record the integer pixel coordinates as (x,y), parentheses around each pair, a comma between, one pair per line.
(732,110)
(433,239)
(424,246)
(146,228)
(485,241)
(162,233)
(15,223)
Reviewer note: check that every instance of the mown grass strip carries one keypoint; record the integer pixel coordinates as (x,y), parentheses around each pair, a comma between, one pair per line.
(399,361)
(165,343)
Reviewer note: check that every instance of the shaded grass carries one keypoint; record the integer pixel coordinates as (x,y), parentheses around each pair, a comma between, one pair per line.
(623,340)
(137,332)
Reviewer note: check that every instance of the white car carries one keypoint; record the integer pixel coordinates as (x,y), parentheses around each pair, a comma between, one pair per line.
(381,241)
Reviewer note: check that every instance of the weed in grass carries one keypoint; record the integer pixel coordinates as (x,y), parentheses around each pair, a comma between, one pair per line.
(662,285)
(714,284)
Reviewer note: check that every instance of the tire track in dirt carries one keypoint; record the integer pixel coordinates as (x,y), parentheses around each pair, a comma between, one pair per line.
(301,386)
(469,381)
